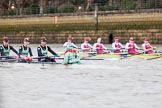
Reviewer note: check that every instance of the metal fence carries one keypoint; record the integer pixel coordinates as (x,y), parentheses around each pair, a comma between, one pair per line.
(123,5)
(98,17)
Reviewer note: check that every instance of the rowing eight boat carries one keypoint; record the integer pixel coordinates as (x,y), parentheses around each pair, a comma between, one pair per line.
(86,56)
(123,55)
(120,56)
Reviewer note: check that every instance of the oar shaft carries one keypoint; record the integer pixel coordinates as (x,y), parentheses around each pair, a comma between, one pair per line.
(8,56)
(8,60)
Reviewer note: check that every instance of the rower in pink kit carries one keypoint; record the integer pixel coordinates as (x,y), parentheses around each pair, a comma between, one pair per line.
(117,46)
(131,46)
(148,49)
(86,47)
(99,47)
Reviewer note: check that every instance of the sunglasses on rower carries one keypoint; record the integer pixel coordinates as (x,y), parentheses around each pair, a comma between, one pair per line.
(44,40)
(27,40)
(6,40)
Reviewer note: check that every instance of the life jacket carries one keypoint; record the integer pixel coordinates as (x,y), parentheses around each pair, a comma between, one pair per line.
(25,52)
(70,50)
(117,45)
(71,57)
(6,51)
(132,49)
(99,49)
(69,46)
(44,52)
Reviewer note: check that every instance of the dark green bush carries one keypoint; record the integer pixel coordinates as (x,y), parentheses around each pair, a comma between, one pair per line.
(9,12)
(27,11)
(66,8)
(12,12)
(33,9)
(107,7)
(128,5)
(78,2)
(148,4)
(50,10)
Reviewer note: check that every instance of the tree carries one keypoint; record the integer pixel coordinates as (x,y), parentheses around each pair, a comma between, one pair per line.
(42,4)
(4,4)
(110,2)
(89,2)
(100,1)
(78,2)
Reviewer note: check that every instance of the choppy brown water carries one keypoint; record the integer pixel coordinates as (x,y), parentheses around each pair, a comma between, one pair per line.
(127,83)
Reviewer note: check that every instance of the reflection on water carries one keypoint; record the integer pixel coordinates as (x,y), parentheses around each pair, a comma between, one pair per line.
(126,83)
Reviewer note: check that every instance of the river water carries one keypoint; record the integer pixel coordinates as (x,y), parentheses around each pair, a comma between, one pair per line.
(113,83)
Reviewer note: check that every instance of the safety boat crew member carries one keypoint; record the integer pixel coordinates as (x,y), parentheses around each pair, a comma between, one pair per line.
(69,42)
(71,55)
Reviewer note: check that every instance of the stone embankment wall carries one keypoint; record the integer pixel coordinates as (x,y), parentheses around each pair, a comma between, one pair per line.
(154,35)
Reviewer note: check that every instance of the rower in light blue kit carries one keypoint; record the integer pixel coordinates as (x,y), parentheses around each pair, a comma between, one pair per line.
(71,54)
(43,50)
(69,42)
(5,49)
